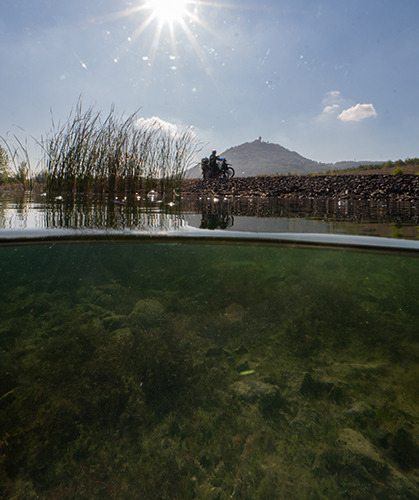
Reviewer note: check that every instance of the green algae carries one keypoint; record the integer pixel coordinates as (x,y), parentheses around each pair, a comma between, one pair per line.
(207,371)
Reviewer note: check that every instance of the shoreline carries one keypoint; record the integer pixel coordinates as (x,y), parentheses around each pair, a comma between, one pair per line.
(343,187)
(373,187)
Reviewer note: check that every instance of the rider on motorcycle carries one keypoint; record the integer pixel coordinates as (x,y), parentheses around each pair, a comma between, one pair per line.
(213,163)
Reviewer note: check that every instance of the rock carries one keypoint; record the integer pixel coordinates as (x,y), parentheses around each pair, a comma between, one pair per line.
(252,390)
(113,321)
(123,337)
(214,352)
(320,388)
(309,387)
(353,459)
(243,366)
(356,446)
(234,313)
(266,395)
(359,187)
(241,350)
(360,471)
(360,409)
(405,450)
(147,313)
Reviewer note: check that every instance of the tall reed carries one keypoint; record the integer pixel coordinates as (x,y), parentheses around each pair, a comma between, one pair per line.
(17,153)
(114,154)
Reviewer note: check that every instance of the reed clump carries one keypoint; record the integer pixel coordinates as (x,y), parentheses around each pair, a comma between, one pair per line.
(110,154)
(15,164)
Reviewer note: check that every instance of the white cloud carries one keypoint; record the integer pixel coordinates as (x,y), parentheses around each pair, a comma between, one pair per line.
(333,94)
(331,109)
(357,113)
(155,123)
(332,103)
(172,130)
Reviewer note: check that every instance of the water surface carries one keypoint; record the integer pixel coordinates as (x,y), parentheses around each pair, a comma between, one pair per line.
(383,219)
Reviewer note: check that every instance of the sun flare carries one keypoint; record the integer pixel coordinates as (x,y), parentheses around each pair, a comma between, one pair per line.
(168,11)
(166,22)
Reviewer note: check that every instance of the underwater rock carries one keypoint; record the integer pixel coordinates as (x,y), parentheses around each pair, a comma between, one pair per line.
(268,396)
(360,409)
(354,461)
(360,471)
(354,444)
(251,390)
(241,350)
(320,388)
(234,312)
(405,450)
(113,321)
(146,313)
(243,366)
(214,352)
(123,335)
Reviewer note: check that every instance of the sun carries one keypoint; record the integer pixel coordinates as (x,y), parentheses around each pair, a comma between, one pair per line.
(163,22)
(168,11)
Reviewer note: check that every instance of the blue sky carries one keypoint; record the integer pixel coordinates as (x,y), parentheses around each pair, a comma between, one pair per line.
(333,80)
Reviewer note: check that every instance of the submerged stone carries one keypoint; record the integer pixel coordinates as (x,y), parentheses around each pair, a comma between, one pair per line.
(213,352)
(405,450)
(243,366)
(320,388)
(234,312)
(114,321)
(360,408)
(268,396)
(146,313)
(252,390)
(241,350)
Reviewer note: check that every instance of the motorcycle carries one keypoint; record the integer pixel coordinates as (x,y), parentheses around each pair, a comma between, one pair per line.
(223,169)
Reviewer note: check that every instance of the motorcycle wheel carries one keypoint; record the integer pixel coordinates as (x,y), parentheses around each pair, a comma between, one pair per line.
(230,172)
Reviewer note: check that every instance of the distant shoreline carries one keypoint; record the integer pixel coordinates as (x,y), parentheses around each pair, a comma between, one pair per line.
(355,187)
(339,187)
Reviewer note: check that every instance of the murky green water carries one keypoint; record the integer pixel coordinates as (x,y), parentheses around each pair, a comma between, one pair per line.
(213,371)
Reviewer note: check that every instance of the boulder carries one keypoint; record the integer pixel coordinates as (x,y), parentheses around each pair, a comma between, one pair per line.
(360,471)
(147,313)
(404,450)
(266,395)
(317,389)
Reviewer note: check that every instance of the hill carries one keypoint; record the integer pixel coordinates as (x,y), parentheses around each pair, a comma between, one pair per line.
(258,157)
(264,158)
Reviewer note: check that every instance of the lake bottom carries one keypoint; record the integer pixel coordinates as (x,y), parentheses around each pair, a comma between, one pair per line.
(213,371)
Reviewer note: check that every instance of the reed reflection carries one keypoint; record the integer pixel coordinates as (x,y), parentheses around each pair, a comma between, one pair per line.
(38,211)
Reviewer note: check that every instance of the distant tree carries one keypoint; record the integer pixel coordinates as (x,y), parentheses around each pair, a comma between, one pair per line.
(387,164)
(4,166)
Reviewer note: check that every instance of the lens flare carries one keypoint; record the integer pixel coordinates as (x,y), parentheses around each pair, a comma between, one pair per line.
(168,11)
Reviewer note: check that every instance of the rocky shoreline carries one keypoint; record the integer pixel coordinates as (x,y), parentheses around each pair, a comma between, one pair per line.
(358,187)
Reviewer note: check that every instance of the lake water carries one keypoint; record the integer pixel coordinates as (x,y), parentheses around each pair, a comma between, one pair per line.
(145,356)
(378,218)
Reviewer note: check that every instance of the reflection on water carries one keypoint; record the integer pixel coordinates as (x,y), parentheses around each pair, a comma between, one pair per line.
(206,371)
(212,220)
(378,218)
(36,212)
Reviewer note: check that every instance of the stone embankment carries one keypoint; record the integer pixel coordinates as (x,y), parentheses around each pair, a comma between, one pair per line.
(362,187)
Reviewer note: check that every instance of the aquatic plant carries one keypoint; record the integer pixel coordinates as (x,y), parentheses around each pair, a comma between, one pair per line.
(4,169)
(16,155)
(114,154)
